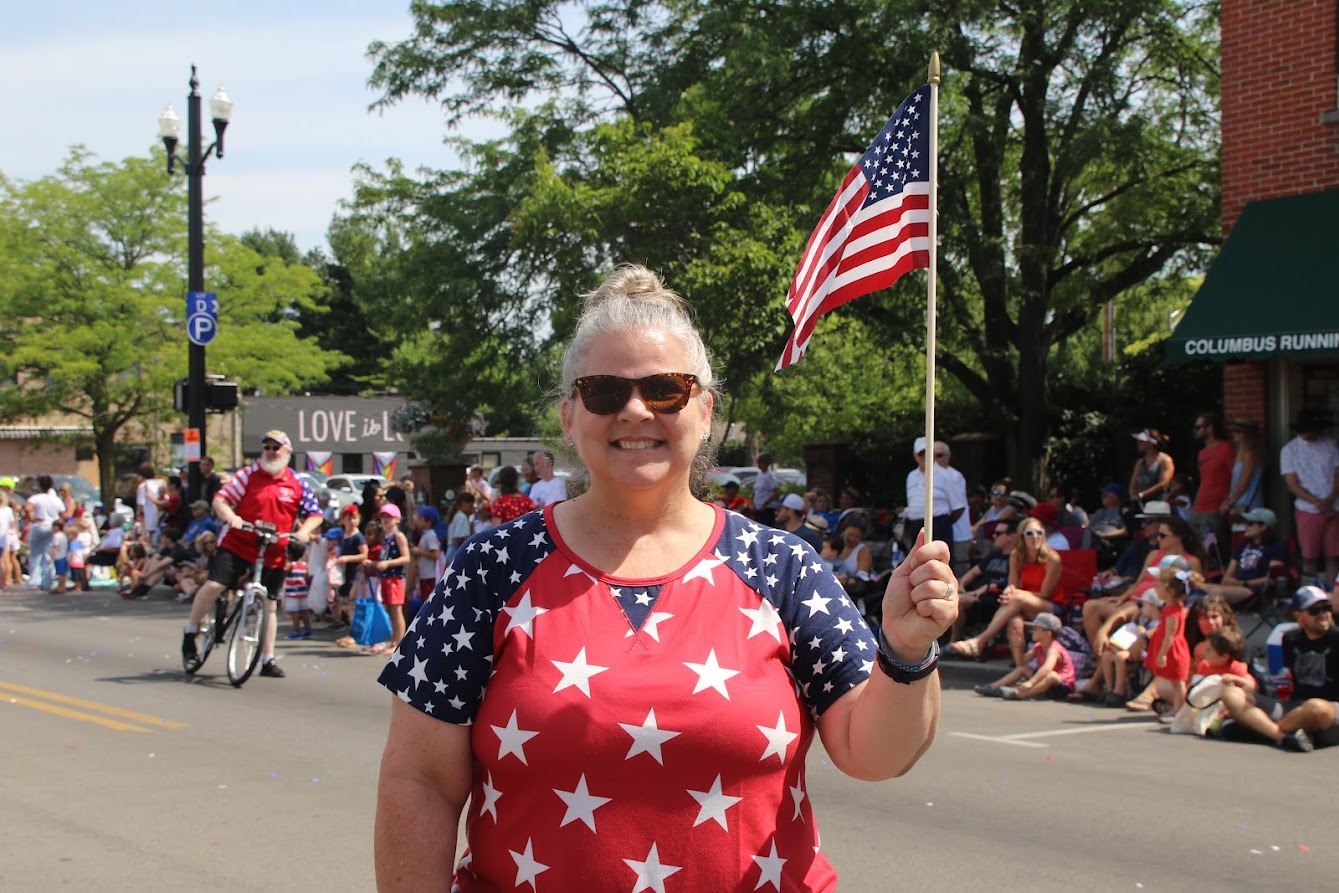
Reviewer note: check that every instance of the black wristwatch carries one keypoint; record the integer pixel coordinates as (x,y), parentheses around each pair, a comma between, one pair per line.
(897,671)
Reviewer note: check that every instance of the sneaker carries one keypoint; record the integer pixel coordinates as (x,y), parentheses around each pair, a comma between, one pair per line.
(1113,699)
(272,669)
(1208,723)
(188,646)
(1298,742)
(306,634)
(989,691)
(295,634)
(1009,693)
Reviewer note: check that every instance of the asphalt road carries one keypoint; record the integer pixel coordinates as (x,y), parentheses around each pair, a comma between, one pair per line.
(121,773)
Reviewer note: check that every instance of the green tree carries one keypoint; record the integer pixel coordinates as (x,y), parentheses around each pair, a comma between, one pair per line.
(1078,161)
(92,300)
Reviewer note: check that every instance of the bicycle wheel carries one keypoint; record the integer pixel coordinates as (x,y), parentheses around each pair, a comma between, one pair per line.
(206,638)
(245,637)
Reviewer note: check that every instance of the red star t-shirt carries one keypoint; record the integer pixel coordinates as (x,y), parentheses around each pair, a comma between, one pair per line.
(636,734)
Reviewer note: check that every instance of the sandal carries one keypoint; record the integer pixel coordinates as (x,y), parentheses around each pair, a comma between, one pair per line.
(969,649)
(379,648)
(1138,706)
(346,642)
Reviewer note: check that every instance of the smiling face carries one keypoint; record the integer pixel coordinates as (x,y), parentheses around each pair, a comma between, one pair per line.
(637,448)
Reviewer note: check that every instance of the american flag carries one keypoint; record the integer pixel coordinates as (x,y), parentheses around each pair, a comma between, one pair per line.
(876,228)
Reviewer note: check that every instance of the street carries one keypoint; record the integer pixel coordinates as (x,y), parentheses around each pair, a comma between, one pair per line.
(122,773)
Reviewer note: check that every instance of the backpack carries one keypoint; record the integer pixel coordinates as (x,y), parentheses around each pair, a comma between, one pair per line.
(1080,654)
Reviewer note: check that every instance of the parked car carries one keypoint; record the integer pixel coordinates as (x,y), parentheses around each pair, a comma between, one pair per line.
(85,494)
(348,488)
(318,485)
(746,474)
(722,476)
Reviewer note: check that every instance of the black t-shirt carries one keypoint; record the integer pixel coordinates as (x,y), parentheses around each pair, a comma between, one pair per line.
(995,568)
(1314,663)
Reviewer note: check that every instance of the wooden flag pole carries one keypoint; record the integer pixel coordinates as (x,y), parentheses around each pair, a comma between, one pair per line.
(931,303)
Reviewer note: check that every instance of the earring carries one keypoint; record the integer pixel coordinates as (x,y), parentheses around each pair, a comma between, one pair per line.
(706,438)
(570,443)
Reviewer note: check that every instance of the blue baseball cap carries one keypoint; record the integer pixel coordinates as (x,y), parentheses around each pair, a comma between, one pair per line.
(334,533)
(431,514)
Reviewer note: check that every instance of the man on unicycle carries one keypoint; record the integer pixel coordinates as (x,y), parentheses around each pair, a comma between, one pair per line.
(269,492)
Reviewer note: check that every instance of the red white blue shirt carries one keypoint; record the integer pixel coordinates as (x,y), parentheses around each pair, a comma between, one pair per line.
(258,496)
(636,734)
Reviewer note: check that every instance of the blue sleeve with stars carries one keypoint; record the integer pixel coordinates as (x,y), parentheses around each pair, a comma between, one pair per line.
(445,659)
(832,649)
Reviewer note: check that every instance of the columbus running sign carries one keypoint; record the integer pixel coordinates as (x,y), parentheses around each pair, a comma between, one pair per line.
(1260,345)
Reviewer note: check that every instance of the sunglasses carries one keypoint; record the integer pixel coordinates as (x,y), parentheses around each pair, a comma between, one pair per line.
(664,392)
(1031,533)
(272,447)
(1002,533)
(998,492)
(1320,610)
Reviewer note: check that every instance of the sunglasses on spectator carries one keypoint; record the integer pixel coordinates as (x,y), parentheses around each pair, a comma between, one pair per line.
(1034,533)
(665,392)
(1320,610)
(1162,535)
(271,447)
(940,455)
(998,492)
(1001,533)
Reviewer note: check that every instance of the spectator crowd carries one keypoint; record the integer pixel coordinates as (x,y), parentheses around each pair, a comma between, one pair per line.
(1131,601)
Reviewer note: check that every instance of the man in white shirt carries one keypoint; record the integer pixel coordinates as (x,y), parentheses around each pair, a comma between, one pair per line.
(765,486)
(1310,467)
(946,509)
(146,509)
(962,524)
(548,489)
(44,507)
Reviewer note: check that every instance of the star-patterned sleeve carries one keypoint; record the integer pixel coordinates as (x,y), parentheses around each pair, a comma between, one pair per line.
(444,661)
(832,649)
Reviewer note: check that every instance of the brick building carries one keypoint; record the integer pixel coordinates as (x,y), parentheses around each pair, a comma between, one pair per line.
(1269,307)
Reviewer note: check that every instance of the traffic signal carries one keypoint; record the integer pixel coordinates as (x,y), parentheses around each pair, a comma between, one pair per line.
(220,394)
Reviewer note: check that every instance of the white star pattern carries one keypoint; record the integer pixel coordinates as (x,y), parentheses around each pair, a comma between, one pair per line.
(651,873)
(703,570)
(522,617)
(513,739)
(765,620)
(491,796)
(576,673)
(797,797)
(769,868)
(711,675)
(816,604)
(647,738)
(419,674)
(580,804)
(527,869)
(778,739)
(712,804)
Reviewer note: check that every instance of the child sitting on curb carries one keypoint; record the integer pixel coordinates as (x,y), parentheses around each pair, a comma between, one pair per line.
(1053,676)
(1126,646)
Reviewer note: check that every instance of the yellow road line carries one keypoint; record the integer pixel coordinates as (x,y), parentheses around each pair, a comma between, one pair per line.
(75,714)
(91,705)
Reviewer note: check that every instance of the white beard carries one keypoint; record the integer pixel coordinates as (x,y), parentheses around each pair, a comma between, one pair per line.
(273,466)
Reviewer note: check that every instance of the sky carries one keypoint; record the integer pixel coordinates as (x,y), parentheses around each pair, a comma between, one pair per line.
(100,74)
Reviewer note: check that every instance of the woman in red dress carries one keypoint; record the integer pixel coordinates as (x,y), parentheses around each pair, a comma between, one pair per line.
(1034,586)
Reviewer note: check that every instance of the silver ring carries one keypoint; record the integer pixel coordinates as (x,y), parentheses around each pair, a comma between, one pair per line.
(949,593)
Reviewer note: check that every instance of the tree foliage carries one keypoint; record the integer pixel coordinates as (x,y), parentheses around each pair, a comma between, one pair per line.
(1077,161)
(92,300)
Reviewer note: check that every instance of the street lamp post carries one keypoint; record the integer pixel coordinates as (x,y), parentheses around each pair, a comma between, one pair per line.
(169,128)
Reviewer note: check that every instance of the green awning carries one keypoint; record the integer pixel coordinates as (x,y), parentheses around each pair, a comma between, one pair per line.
(1273,290)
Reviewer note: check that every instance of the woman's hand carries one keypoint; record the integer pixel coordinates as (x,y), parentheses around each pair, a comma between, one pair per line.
(1162,661)
(1006,595)
(921,601)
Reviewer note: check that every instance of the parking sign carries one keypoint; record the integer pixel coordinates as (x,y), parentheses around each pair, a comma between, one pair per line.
(202,316)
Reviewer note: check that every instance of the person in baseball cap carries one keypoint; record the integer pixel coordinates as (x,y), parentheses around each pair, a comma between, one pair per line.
(277,436)
(1054,676)
(1309,718)
(790,516)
